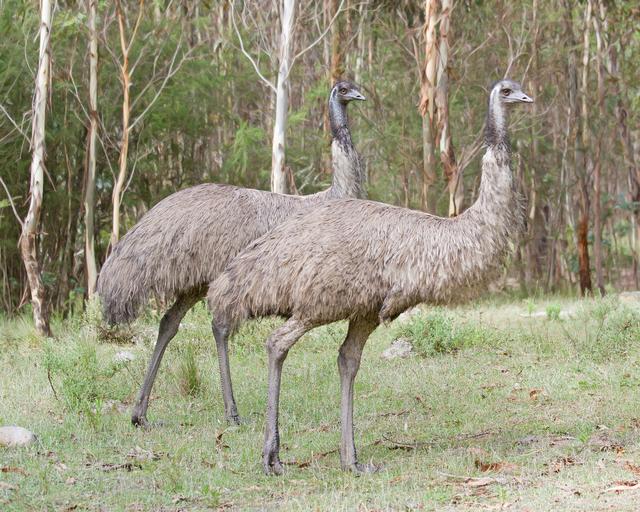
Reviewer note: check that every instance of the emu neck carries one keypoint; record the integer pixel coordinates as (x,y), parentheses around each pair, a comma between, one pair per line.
(348,171)
(496,126)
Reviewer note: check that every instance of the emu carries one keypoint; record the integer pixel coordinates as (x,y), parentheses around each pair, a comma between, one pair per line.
(187,239)
(367,262)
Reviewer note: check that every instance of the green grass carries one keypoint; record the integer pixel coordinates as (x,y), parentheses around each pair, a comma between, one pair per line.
(544,407)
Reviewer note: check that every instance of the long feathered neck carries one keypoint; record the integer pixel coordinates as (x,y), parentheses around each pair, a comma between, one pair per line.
(495,133)
(472,247)
(348,171)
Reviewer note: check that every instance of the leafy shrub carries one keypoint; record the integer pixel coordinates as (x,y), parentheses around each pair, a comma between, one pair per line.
(189,381)
(608,329)
(553,312)
(80,378)
(439,332)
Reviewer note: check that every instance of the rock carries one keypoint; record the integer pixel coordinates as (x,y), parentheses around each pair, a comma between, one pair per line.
(631,298)
(408,314)
(124,356)
(401,347)
(16,436)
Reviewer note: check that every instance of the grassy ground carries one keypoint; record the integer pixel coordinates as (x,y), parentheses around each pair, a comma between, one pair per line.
(496,411)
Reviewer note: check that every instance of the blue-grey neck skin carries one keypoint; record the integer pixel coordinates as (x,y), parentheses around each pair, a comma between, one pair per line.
(495,133)
(339,120)
(348,169)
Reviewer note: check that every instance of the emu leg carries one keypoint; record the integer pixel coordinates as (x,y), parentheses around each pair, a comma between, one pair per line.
(168,328)
(348,365)
(221,335)
(278,345)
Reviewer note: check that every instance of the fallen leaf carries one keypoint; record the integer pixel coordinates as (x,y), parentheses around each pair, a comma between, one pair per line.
(635,469)
(219,444)
(495,466)
(535,393)
(560,463)
(12,469)
(70,481)
(623,485)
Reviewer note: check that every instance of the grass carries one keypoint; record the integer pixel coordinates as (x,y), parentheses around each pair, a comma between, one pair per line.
(499,409)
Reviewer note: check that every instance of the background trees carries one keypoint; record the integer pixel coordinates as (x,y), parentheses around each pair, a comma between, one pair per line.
(198,111)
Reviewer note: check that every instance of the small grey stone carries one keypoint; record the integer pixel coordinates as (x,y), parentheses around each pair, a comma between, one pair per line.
(401,347)
(124,356)
(16,436)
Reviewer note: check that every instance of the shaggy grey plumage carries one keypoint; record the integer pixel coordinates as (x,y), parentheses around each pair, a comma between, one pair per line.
(368,262)
(187,239)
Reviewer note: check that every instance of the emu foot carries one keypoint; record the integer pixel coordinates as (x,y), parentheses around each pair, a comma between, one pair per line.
(358,468)
(235,419)
(141,421)
(271,465)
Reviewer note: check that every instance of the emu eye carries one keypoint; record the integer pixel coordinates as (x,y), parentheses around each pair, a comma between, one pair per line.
(343,91)
(506,92)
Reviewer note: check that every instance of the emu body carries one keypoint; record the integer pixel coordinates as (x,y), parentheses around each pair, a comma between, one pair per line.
(368,262)
(187,239)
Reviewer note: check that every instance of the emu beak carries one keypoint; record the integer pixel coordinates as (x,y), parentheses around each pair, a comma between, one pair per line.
(520,96)
(355,95)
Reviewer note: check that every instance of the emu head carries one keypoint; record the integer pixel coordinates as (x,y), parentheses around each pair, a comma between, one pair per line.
(509,93)
(345,91)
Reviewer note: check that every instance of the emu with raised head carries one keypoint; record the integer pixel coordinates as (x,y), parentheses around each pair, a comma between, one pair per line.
(187,239)
(368,262)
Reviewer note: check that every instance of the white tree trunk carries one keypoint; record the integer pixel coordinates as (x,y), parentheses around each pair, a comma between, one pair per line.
(427,101)
(278,175)
(30,226)
(90,187)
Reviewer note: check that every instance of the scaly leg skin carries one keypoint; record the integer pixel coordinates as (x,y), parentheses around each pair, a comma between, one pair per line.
(348,365)
(278,345)
(221,334)
(168,328)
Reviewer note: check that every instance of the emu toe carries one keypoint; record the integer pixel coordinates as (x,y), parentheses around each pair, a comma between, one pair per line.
(364,469)
(271,465)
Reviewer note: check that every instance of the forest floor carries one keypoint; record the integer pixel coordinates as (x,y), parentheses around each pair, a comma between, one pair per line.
(507,405)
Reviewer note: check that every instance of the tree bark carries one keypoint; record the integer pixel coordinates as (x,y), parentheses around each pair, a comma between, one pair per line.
(597,164)
(278,172)
(584,165)
(90,182)
(427,102)
(125,76)
(451,170)
(28,243)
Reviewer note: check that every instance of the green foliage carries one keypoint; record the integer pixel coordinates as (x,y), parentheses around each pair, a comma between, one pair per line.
(438,332)
(553,311)
(189,381)
(607,329)
(83,378)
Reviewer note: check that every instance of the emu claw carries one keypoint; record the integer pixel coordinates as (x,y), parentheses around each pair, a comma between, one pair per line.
(143,423)
(272,466)
(236,420)
(364,469)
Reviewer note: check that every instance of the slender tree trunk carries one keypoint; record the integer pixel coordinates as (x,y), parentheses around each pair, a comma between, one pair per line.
(337,45)
(597,164)
(90,182)
(452,173)
(278,172)
(427,102)
(583,160)
(28,244)
(125,77)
